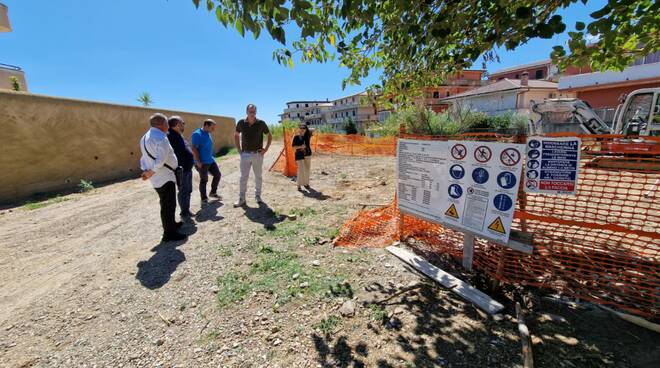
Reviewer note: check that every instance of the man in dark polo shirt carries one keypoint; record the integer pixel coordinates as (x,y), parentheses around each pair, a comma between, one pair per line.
(249,140)
(185,157)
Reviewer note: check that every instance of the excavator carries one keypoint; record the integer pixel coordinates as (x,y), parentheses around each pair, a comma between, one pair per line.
(632,144)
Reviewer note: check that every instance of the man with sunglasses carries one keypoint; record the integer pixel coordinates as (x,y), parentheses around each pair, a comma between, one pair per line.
(185,157)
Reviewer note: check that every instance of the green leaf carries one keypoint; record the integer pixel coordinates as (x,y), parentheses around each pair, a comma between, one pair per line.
(601,13)
(291,63)
(239,27)
(209,5)
(196,2)
(579,26)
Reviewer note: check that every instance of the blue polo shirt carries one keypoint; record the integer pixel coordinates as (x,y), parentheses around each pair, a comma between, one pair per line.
(203,142)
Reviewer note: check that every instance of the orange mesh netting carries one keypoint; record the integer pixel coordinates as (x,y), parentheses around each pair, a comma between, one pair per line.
(602,245)
(357,145)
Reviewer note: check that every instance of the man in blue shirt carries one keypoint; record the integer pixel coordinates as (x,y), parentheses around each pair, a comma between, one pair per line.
(202,148)
(185,157)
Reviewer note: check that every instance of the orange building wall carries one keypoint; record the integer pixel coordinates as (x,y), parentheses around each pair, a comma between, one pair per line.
(609,97)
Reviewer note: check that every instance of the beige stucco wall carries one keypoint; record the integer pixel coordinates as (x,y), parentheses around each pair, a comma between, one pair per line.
(49,144)
(5,81)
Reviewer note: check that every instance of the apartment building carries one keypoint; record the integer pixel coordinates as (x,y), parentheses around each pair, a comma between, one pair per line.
(312,112)
(356,108)
(9,72)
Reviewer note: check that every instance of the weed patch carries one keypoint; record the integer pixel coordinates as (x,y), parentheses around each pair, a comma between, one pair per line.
(328,325)
(377,313)
(85,186)
(273,272)
(41,204)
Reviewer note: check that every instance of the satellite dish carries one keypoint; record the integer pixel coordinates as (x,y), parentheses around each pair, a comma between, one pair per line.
(5,26)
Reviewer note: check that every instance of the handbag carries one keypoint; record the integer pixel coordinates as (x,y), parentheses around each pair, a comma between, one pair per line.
(177,172)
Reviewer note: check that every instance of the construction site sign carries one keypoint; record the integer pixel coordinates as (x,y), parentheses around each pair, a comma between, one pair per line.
(552,165)
(421,167)
(482,188)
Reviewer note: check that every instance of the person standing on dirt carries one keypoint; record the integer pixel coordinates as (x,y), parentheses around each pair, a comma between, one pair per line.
(158,163)
(186,159)
(249,140)
(202,149)
(303,154)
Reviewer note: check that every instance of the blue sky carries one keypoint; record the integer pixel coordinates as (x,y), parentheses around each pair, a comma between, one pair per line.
(114,50)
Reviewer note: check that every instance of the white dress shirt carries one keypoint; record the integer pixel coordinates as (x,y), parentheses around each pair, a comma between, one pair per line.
(159,147)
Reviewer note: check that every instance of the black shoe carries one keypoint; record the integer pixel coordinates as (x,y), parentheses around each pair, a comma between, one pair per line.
(174,237)
(215,195)
(179,224)
(308,187)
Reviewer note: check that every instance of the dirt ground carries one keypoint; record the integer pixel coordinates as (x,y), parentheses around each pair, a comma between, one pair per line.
(85,282)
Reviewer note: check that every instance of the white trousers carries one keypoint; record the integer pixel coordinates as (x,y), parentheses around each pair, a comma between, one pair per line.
(254,161)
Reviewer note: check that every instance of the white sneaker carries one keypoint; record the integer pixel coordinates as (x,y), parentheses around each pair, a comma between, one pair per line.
(240,203)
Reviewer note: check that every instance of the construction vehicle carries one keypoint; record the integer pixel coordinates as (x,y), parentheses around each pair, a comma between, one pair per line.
(635,125)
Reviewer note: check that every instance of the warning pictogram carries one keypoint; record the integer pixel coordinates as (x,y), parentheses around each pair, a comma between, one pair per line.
(497,226)
(458,152)
(451,212)
(510,156)
(483,154)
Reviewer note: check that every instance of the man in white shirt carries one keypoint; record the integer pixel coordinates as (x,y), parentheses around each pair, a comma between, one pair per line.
(158,163)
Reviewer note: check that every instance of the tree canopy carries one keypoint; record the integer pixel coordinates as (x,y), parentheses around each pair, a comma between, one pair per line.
(415,43)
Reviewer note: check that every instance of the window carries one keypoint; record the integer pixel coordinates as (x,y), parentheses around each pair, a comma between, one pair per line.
(517,76)
(297,105)
(436,94)
(539,74)
(306,105)
(448,94)
(638,109)
(353,112)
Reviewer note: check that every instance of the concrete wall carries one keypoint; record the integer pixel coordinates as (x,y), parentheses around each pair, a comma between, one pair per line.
(49,144)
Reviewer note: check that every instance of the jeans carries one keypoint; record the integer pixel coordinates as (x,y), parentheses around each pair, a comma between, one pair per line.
(204,178)
(255,161)
(167,194)
(304,167)
(185,190)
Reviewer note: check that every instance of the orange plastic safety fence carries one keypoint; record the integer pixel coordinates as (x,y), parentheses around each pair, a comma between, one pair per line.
(343,144)
(601,245)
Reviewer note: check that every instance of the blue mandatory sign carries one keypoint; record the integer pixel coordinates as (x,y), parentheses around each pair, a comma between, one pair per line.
(503,202)
(532,164)
(506,180)
(534,144)
(534,154)
(455,191)
(532,174)
(480,175)
(457,171)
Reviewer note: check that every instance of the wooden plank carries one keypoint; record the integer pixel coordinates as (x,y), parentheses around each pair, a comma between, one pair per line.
(468,250)
(525,339)
(458,286)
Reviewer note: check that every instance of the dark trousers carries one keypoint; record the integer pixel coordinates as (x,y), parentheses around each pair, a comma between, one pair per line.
(167,194)
(204,178)
(185,189)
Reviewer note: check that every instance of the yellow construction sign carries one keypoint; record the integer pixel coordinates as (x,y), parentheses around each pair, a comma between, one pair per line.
(451,211)
(497,225)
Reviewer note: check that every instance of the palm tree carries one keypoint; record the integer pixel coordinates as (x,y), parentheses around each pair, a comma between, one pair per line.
(145,99)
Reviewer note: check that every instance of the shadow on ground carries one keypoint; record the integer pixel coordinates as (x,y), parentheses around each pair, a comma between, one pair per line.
(157,271)
(209,212)
(263,215)
(425,325)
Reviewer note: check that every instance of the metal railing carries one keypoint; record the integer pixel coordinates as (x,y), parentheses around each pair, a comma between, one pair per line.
(10,67)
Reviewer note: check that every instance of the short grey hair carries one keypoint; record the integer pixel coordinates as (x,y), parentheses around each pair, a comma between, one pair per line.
(157,119)
(251,105)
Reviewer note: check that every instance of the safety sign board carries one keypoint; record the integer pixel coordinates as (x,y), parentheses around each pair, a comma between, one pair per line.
(421,169)
(482,187)
(497,226)
(553,165)
(451,211)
